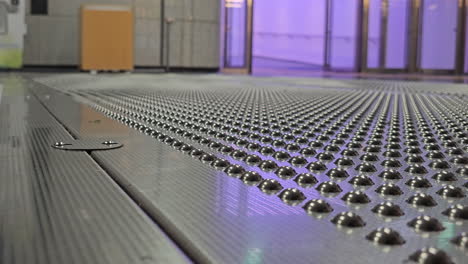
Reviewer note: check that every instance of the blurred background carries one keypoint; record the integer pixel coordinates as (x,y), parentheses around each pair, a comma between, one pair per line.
(263,37)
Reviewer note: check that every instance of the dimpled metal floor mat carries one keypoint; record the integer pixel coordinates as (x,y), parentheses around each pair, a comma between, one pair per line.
(382,167)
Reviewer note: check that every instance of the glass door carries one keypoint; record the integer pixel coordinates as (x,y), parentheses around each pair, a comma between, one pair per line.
(374,41)
(288,36)
(237,36)
(387,35)
(438,35)
(373,35)
(343,31)
(397,29)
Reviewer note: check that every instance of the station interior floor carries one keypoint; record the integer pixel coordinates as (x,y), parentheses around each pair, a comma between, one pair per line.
(265,66)
(212,168)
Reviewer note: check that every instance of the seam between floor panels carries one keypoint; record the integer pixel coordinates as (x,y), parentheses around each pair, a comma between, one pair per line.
(171,231)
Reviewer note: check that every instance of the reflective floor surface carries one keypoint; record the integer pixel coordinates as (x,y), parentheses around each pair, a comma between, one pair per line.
(231,169)
(270,67)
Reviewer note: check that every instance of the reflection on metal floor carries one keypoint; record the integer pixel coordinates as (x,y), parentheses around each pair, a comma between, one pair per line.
(222,169)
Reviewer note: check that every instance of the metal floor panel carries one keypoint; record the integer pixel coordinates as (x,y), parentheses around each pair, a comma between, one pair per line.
(60,206)
(284,170)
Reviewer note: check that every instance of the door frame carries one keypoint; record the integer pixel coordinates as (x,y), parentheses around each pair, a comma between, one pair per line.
(414,43)
(247,68)
(413,48)
(249,39)
(359,37)
(382,52)
(459,40)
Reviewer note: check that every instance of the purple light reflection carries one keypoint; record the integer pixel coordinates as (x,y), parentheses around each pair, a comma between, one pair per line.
(397,32)
(311,193)
(344,31)
(236,32)
(239,200)
(290,35)
(373,42)
(290,31)
(439,34)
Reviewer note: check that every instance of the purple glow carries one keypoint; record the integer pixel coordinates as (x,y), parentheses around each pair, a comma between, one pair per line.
(396,39)
(466,49)
(373,40)
(344,33)
(397,30)
(236,33)
(295,31)
(290,35)
(290,31)
(439,34)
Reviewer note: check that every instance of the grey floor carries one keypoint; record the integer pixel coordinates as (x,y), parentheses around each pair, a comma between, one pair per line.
(232,169)
(82,80)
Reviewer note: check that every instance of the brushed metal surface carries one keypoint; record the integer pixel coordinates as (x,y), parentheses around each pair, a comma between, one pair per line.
(217,218)
(61,207)
(86,145)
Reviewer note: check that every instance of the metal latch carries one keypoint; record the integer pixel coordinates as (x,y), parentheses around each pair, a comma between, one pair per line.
(87,145)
